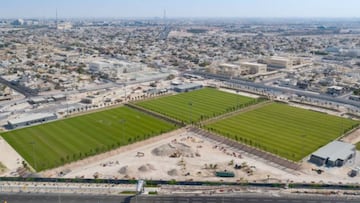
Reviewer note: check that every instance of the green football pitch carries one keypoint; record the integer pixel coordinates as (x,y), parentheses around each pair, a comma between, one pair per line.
(289,132)
(197,105)
(56,143)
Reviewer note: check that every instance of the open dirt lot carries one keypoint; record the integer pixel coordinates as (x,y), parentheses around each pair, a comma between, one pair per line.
(184,155)
(9,158)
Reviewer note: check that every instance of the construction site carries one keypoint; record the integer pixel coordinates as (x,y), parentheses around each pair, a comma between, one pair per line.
(189,155)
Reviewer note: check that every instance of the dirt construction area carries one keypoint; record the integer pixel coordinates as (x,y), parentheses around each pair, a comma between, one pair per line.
(185,155)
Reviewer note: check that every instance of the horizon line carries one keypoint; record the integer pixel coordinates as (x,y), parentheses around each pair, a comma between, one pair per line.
(182,17)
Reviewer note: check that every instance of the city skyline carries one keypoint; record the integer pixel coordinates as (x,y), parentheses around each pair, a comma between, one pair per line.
(176,8)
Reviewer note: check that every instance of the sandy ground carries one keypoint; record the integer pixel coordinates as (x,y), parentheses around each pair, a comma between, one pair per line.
(194,156)
(353,138)
(304,106)
(9,157)
(240,93)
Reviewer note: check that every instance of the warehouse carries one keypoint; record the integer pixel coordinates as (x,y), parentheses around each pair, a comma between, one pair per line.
(187,87)
(38,100)
(335,153)
(59,97)
(31,119)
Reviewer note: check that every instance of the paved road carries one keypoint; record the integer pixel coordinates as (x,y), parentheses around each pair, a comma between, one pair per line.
(28,92)
(49,198)
(288,91)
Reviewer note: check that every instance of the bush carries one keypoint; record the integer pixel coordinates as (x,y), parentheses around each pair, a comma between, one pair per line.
(153,192)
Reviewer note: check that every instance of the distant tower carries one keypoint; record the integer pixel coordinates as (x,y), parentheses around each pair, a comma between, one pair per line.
(164,17)
(56,20)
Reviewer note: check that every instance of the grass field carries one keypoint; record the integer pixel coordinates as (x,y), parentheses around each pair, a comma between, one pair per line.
(197,105)
(53,144)
(286,131)
(358,146)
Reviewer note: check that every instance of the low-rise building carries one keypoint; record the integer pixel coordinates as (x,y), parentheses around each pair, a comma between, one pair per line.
(335,153)
(187,87)
(335,90)
(243,68)
(253,68)
(38,100)
(59,97)
(31,119)
(279,62)
(92,99)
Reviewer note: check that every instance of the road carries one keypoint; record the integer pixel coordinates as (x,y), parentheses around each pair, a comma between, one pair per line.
(75,198)
(27,92)
(281,90)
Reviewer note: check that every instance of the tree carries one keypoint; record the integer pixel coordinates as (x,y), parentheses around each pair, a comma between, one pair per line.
(357,92)
(24,164)
(170,77)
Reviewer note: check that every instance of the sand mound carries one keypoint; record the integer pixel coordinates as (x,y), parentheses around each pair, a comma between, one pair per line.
(172,172)
(169,149)
(123,170)
(146,167)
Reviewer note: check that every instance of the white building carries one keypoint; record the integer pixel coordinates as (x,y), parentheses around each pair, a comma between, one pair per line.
(31,119)
(64,26)
(115,68)
(335,153)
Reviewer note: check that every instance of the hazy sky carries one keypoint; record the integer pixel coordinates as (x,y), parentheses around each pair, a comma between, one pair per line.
(179,8)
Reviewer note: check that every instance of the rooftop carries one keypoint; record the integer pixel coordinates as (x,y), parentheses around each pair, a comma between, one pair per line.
(188,85)
(31,117)
(335,150)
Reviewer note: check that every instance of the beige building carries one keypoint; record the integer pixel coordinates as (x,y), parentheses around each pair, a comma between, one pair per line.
(244,68)
(229,69)
(254,68)
(279,62)
(283,62)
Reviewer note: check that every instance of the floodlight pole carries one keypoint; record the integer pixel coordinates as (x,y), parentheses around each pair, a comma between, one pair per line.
(67,105)
(238,98)
(303,145)
(190,106)
(57,186)
(125,91)
(122,121)
(33,156)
